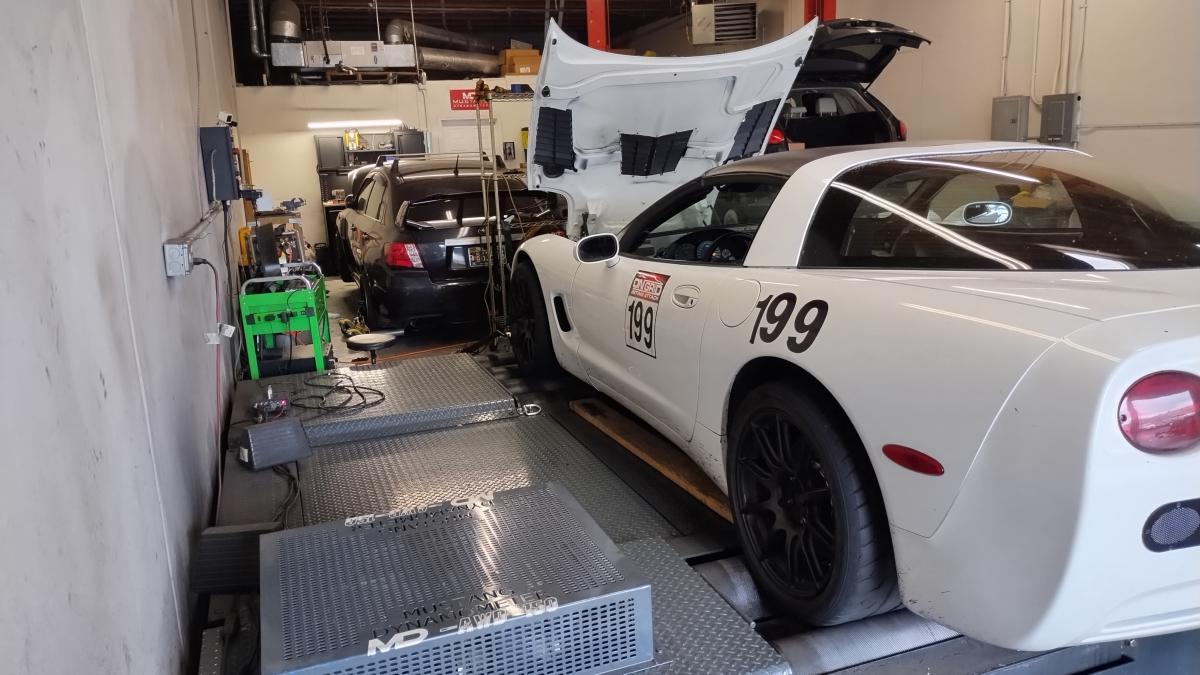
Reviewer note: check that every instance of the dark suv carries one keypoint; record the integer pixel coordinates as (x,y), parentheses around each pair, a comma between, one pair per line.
(415,238)
(830,104)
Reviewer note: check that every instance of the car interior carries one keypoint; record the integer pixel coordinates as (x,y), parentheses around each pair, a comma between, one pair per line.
(716,226)
(828,116)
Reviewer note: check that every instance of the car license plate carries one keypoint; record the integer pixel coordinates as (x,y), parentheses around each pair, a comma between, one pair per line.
(477,256)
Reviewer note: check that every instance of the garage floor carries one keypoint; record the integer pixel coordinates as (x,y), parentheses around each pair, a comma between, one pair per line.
(656,523)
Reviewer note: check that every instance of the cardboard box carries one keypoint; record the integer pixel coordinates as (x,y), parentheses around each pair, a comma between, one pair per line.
(506,55)
(522,65)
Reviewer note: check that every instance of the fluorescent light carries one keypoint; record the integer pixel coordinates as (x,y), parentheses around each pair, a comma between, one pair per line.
(356,124)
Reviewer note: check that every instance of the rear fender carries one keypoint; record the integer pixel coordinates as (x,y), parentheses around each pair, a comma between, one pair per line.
(925,369)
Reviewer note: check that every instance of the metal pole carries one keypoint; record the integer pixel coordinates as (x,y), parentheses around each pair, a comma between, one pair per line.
(378,32)
(483,191)
(501,258)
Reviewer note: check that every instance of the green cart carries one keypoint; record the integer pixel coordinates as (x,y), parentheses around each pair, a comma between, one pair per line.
(284,304)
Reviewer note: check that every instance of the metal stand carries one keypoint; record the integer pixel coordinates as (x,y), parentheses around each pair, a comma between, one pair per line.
(498,232)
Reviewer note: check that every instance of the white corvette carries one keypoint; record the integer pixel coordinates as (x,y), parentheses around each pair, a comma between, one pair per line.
(972,369)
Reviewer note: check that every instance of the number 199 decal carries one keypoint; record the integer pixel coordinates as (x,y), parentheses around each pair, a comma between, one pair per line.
(641,311)
(777,310)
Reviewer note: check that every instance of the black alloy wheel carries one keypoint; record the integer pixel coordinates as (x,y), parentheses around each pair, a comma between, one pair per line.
(806,507)
(786,504)
(528,323)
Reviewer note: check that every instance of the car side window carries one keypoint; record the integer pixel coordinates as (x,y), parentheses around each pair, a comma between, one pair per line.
(716,228)
(375,197)
(365,197)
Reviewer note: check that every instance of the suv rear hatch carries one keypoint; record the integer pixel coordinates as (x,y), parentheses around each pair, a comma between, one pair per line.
(829,104)
(854,50)
(614,133)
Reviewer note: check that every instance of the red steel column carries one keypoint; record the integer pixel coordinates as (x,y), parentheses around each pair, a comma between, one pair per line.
(823,9)
(597,24)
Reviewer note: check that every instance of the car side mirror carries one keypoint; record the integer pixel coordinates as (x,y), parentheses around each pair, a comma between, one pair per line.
(603,247)
(987,213)
(351,201)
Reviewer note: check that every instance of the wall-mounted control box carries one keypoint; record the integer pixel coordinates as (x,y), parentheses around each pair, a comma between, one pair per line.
(216,154)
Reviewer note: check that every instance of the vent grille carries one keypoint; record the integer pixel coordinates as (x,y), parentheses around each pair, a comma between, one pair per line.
(752,132)
(517,582)
(582,641)
(1173,526)
(652,155)
(333,586)
(555,146)
(735,21)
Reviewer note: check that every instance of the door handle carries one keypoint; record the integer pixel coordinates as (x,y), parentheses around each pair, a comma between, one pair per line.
(685,296)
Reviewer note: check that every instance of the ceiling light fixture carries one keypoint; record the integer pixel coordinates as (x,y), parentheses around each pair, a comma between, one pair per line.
(356,124)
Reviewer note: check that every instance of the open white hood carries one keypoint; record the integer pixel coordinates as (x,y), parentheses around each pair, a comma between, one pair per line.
(613,133)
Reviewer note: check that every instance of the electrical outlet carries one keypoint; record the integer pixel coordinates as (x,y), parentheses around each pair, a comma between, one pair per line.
(178,257)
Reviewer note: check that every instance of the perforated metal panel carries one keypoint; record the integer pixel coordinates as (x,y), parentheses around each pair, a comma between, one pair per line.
(212,653)
(1173,526)
(420,394)
(521,581)
(347,479)
(695,631)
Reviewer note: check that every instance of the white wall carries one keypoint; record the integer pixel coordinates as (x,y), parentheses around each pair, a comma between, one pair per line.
(109,401)
(1140,64)
(283,158)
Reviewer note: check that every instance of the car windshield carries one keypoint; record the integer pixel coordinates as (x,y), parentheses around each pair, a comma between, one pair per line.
(1036,210)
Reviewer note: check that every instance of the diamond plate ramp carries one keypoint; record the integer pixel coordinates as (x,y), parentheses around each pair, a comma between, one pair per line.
(695,631)
(350,479)
(433,392)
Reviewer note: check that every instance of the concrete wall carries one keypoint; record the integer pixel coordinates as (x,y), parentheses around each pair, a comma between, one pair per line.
(1139,66)
(109,403)
(274,128)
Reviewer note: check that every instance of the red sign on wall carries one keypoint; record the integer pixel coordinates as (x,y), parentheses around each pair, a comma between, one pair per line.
(464,99)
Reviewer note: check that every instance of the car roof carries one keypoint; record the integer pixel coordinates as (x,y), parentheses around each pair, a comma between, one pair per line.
(784,164)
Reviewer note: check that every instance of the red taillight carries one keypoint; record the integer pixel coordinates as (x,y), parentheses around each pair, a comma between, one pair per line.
(913,460)
(1161,412)
(400,254)
(776,137)
(903,130)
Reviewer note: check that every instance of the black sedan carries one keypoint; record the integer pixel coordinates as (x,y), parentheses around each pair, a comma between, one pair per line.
(414,234)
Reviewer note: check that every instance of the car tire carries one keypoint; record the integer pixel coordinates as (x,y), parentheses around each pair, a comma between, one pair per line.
(370,306)
(807,509)
(529,323)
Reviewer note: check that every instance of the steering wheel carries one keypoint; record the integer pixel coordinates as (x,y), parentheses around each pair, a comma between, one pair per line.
(699,246)
(729,247)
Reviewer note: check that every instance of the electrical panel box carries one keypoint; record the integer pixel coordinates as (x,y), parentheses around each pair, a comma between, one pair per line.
(1010,118)
(515,582)
(216,154)
(1060,119)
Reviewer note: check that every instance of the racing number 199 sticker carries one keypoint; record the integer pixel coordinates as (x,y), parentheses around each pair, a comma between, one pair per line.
(641,311)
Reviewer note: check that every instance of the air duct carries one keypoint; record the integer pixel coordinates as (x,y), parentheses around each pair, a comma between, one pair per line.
(451,60)
(399,31)
(257,47)
(285,21)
